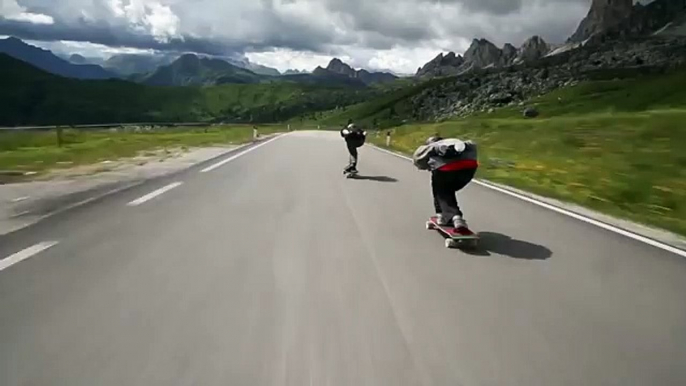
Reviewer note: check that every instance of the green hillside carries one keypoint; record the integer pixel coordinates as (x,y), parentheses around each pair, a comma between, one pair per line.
(192,70)
(32,97)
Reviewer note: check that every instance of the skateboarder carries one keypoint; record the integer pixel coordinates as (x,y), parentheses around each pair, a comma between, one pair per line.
(354,139)
(453,164)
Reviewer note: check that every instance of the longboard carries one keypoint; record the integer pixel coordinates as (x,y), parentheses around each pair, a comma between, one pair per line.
(455,239)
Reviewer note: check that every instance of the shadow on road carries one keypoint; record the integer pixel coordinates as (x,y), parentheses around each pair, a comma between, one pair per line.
(496,243)
(375,178)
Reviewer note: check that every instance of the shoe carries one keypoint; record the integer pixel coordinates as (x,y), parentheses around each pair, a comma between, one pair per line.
(440,220)
(460,223)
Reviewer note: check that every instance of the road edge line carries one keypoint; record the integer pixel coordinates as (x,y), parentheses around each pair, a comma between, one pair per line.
(609,227)
(240,154)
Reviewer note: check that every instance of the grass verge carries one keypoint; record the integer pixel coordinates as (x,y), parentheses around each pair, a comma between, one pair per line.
(32,151)
(627,164)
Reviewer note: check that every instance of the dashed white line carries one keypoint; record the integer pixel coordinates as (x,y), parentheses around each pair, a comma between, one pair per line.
(233,157)
(25,254)
(154,194)
(588,220)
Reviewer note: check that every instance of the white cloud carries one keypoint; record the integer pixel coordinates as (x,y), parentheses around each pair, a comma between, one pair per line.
(11,10)
(163,23)
(399,35)
(147,17)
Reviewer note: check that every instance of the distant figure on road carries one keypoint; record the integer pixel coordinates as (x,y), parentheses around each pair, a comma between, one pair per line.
(354,139)
(453,164)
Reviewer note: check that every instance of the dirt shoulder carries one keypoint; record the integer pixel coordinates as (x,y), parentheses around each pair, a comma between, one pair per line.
(24,203)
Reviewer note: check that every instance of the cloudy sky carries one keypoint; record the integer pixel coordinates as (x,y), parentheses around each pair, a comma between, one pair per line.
(399,35)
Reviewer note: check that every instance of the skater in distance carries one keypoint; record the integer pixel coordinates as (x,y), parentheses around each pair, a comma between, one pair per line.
(453,164)
(354,137)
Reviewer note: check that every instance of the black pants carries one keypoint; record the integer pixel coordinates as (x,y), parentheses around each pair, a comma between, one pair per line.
(352,149)
(444,186)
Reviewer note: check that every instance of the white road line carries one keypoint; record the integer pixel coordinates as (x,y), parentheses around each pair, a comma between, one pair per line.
(25,254)
(154,194)
(588,220)
(233,157)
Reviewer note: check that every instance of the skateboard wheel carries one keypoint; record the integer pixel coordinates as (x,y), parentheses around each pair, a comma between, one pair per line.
(430,226)
(450,243)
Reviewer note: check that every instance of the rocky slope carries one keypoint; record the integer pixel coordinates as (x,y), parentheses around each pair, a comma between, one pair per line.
(618,39)
(486,89)
(336,66)
(659,18)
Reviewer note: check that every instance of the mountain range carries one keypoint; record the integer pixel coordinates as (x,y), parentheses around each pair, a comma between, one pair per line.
(186,70)
(191,70)
(31,96)
(50,62)
(337,67)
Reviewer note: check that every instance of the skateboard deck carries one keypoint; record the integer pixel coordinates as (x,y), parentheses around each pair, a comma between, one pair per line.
(454,239)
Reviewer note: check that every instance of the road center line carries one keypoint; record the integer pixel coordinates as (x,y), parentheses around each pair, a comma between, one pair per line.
(233,157)
(154,194)
(25,254)
(588,220)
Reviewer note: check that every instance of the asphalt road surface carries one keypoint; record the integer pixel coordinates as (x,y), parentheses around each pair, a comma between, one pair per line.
(273,269)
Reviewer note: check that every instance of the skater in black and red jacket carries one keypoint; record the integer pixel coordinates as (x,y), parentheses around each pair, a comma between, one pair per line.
(354,139)
(453,164)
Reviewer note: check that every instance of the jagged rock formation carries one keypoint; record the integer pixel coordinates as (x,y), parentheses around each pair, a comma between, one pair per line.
(442,65)
(659,18)
(533,49)
(484,54)
(484,89)
(615,38)
(603,15)
(509,53)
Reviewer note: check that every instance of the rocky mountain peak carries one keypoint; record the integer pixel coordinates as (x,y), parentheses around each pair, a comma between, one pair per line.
(603,15)
(442,65)
(533,49)
(482,53)
(337,66)
(509,53)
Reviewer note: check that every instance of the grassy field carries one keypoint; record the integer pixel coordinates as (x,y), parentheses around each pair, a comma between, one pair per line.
(614,146)
(39,151)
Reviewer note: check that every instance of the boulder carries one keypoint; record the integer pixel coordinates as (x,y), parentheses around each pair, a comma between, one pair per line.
(530,112)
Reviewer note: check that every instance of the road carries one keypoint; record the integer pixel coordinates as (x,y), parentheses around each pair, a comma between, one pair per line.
(270,268)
